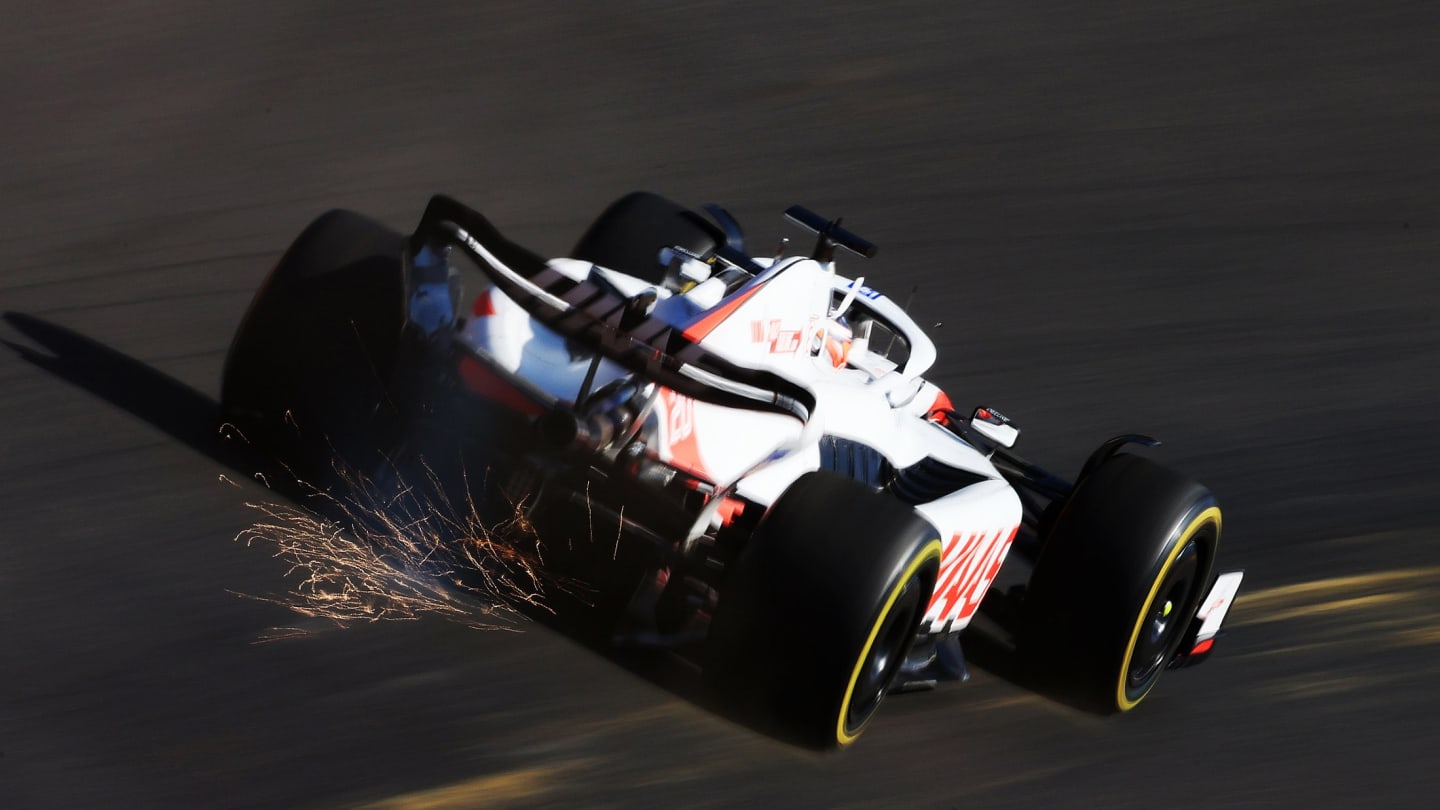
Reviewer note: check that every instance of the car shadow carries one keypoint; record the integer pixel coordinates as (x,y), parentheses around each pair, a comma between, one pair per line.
(179,411)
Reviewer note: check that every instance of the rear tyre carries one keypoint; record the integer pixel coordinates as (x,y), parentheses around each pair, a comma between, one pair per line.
(308,370)
(1119,577)
(630,234)
(820,610)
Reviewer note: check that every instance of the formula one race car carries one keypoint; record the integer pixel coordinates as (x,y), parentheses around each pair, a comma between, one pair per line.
(817,523)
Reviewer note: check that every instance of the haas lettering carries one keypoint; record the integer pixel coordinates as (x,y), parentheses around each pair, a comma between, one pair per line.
(968,567)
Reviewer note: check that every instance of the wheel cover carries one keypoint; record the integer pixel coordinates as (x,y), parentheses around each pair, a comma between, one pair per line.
(1165,616)
(1161,628)
(885,649)
(886,654)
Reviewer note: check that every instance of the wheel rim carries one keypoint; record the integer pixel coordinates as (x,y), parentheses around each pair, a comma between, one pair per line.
(892,642)
(1165,622)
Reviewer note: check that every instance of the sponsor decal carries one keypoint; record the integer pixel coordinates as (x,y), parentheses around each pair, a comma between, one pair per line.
(780,341)
(992,416)
(967,568)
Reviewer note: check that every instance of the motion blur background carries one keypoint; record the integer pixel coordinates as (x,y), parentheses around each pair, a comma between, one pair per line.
(1215,222)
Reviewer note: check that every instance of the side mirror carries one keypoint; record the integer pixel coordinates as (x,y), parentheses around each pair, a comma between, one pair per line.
(994,426)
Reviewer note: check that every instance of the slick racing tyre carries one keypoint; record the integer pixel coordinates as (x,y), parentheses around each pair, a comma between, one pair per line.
(1119,577)
(820,610)
(308,368)
(630,234)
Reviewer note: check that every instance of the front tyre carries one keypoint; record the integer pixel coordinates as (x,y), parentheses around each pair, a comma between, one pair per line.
(1120,575)
(820,610)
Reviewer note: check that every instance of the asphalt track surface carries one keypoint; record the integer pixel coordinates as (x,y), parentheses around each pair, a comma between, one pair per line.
(1215,222)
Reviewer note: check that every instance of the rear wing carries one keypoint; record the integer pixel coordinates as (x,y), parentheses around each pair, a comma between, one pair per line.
(829,235)
(597,318)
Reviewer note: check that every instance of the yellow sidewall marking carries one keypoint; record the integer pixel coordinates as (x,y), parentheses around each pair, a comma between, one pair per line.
(931,551)
(1211,515)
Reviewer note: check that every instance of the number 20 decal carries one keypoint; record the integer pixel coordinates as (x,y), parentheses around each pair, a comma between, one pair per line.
(682,418)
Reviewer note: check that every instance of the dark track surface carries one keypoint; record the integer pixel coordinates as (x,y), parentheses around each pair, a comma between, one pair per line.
(1215,222)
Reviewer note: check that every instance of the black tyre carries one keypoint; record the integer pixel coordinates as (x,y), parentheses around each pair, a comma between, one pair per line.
(820,610)
(630,234)
(1119,576)
(308,369)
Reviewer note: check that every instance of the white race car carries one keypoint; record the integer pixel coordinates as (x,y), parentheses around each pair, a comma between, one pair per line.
(817,524)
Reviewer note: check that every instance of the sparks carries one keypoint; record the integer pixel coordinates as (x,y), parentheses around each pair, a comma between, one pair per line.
(397,551)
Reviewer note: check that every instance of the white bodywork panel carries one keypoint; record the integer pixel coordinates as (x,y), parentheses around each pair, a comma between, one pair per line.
(1216,604)
(783,323)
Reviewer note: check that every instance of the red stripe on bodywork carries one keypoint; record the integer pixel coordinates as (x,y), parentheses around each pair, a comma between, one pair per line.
(940,409)
(483,380)
(484,306)
(729,510)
